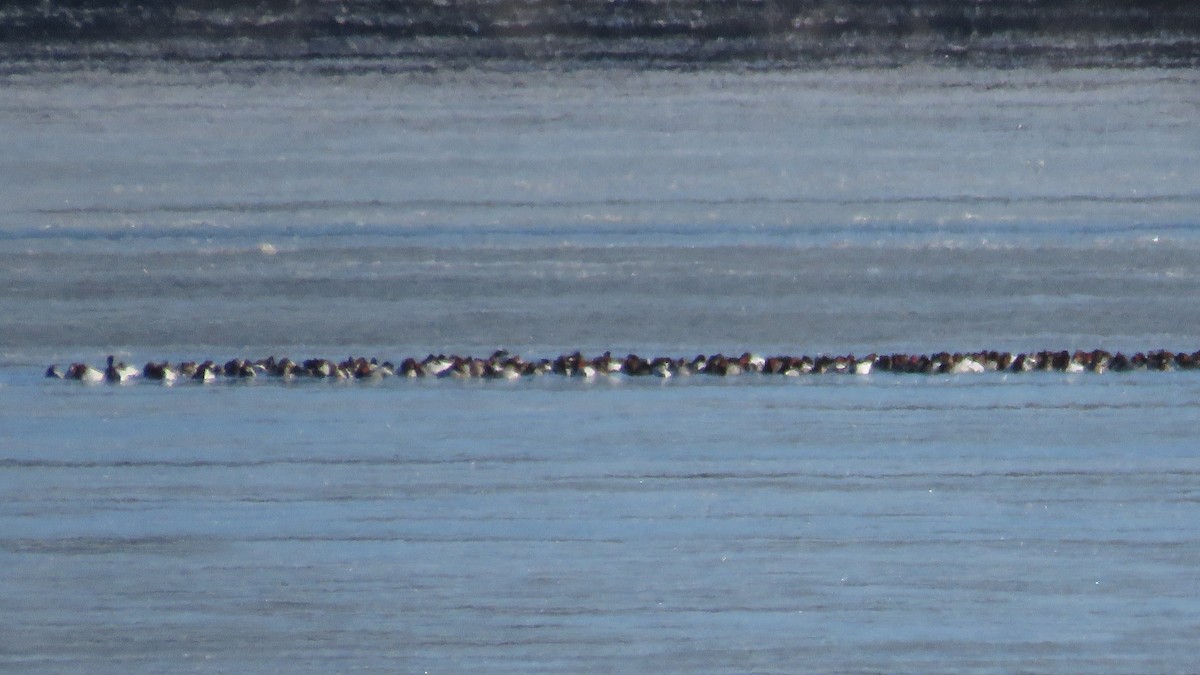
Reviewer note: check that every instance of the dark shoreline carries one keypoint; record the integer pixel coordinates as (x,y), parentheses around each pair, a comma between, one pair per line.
(649,33)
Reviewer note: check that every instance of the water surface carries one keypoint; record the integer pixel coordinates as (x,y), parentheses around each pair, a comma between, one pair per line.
(242,208)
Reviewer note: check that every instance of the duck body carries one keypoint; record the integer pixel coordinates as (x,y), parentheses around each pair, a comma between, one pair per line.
(118,372)
(160,372)
(82,372)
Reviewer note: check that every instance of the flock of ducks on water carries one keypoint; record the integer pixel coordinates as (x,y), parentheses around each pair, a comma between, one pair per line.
(503,365)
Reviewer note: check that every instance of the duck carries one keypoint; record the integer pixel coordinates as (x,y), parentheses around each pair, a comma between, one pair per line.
(239,368)
(206,372)
(635,365)
(1161,360)
(1077,363)
(321,368)
(410,368)
(458,368)
(801,366)
(161,372)
(118,372)
(997,361)
(663,367)
(1022,363)
(1099,361)
(566,364)
(372,370)
(965,363)
(824,364)
(84,373)
(606,364)
(436,365)
(795,367)
(285,368)
(501,367)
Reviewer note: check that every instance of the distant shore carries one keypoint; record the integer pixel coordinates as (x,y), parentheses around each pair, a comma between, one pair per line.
(681,33)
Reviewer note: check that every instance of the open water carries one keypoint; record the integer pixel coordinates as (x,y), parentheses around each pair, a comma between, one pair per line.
(214,209)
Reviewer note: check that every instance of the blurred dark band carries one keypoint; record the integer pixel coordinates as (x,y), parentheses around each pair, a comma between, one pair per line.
(992,32)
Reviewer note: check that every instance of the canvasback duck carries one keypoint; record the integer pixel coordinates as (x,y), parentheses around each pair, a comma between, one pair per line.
(206,372)
(606,364)
(635,365)
(966,363)
(436,365)
(84,373)
(753,362)
(159,372)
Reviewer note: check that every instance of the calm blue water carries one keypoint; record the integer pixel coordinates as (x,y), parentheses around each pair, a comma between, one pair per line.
(991,522)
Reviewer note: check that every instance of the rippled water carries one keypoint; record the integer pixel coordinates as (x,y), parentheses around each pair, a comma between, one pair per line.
(1040,522)
(1022,522)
